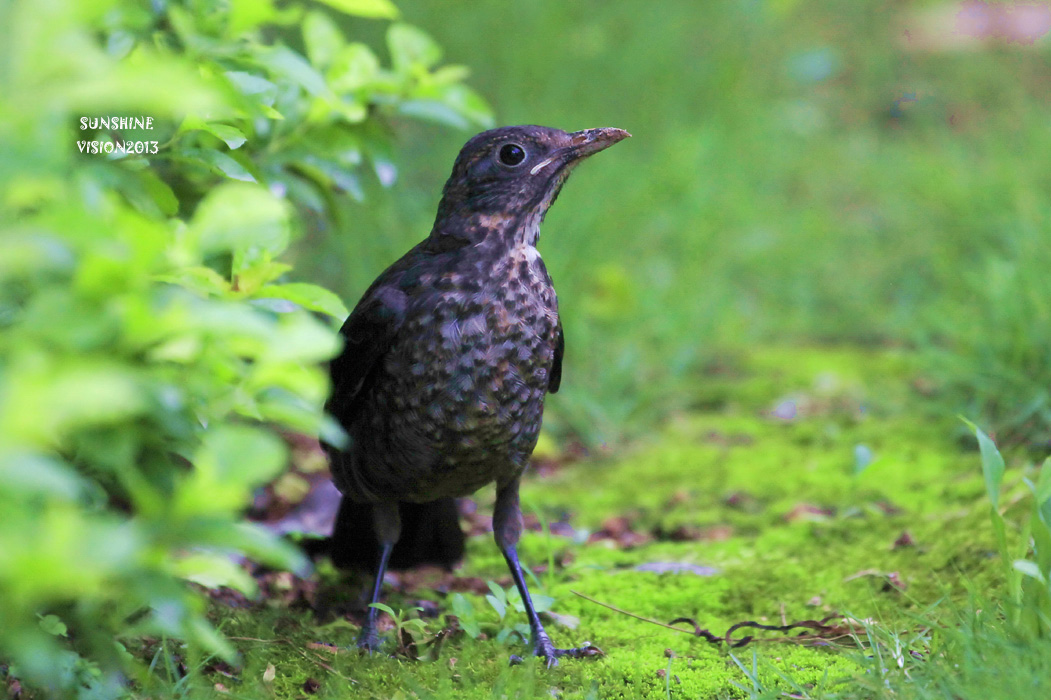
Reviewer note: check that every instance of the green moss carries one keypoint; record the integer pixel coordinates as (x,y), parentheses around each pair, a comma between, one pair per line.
(803,530)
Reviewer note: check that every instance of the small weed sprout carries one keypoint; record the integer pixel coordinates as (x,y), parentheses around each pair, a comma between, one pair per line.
(1027,566)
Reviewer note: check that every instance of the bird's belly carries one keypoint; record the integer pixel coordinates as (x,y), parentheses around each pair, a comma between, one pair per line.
(471,395)
(459,398)
(477,388)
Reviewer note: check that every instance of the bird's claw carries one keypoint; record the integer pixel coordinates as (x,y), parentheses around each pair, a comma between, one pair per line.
(548,651)
(368,640)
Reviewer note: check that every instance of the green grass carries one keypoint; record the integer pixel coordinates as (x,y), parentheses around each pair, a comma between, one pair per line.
(735,474)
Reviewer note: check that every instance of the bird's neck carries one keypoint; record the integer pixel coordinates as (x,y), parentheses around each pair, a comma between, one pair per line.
(498,230)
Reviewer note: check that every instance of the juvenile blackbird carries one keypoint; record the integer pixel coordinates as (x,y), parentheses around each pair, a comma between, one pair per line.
(447,359)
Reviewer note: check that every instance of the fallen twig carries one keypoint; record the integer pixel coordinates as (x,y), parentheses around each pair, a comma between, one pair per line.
(822,631)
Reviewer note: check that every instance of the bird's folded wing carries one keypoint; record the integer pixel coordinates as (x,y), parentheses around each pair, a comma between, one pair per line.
(368,334)
(555,378)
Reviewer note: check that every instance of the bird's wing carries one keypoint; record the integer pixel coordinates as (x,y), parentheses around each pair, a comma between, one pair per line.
(367,334)
(555,379)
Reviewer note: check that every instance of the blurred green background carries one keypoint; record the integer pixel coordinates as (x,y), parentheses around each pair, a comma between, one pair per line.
(799,173)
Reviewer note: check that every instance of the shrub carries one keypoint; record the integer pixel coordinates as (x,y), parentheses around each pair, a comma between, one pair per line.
(150,344)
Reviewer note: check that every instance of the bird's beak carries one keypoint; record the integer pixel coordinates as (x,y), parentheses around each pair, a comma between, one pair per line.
(590,141)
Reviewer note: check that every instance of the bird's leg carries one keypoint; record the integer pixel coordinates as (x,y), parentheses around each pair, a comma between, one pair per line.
(388,528)
(507,528)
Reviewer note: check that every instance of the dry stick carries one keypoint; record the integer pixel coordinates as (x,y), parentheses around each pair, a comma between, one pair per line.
(631,614)
(823,631)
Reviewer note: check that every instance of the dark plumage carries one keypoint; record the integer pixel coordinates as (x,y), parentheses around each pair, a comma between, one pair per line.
(450,352)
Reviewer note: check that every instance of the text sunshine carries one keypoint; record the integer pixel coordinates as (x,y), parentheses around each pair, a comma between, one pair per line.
(116,123)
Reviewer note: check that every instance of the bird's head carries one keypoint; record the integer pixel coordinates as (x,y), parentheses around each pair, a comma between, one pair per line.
(505,179)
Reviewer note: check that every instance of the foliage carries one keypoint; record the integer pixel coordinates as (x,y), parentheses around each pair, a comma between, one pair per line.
(507,627)
(1026,601)
(151,345)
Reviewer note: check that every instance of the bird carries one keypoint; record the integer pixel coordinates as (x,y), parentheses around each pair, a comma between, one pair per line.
(446,362)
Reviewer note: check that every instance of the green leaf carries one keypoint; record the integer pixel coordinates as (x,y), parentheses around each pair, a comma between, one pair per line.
(286,63)
(469,104)
(1029,569)
(309,296)
(498,605)
(384,608)
(302,339)
(53,401)
(261,545)
(322,38)
(374,9)
(457,106)
(243,219)
(435,111)
(252,278)
(542,603)
(411,48)
(30,253)
(53,626)
(992,463)
(464,611)
(213,570)
(204,634)
(246,15)
(198,278)
(354,67)
(240,454)
(221,163)
(497,590)
(230,135)
(159,192)
(251,85)
(29,473)
(1042,490)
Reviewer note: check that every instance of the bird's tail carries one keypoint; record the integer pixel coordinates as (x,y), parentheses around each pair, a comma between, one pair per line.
(430,534)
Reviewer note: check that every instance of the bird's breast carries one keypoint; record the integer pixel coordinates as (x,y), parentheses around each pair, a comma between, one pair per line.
(475,357)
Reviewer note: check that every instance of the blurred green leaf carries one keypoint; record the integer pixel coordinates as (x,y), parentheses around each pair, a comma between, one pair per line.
(287,64)
(376,9)
(411,48)
(303,339)
(230,135)
(160,192)
(253,85)
(308,296)
(992,463)
(53,626)
(222,163)
(213,570)
(242,219)
(1030,569)
(434,111)
(246,15)
(354,67)
(1042,490)
(45,403)
(322,38)
(28,473)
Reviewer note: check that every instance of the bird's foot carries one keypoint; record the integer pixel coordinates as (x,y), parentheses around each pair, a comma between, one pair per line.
(543,647)
(368,640)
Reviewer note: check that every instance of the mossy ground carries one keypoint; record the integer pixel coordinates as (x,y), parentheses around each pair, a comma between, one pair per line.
(793,479)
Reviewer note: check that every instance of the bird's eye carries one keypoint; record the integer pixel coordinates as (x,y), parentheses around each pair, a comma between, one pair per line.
(512,154)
